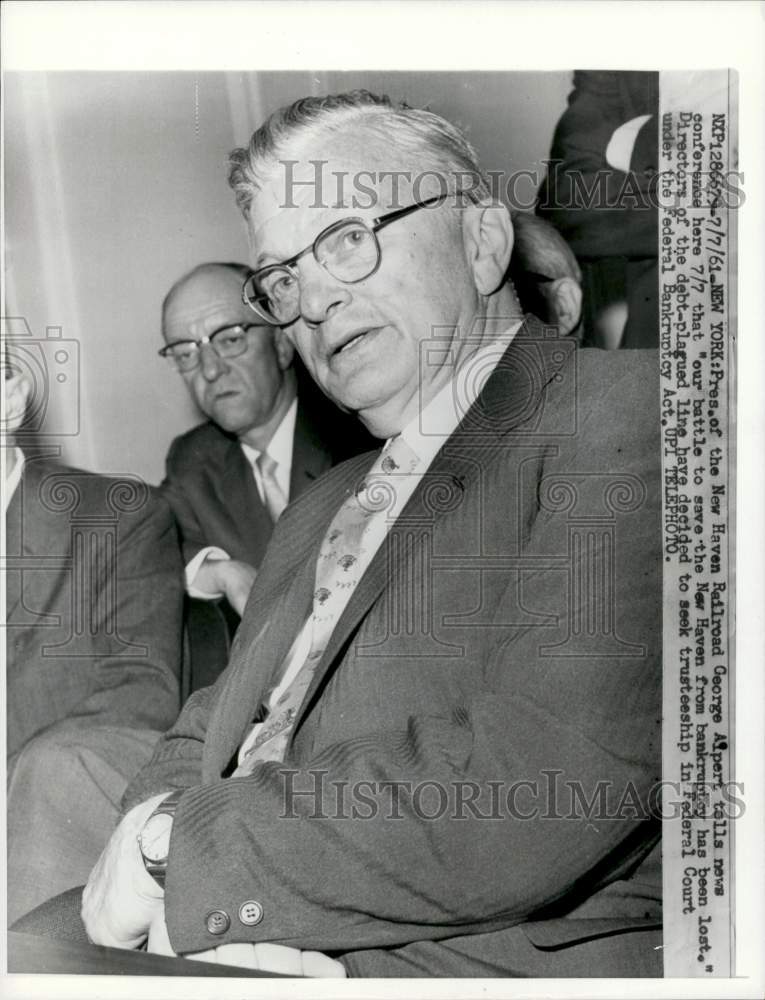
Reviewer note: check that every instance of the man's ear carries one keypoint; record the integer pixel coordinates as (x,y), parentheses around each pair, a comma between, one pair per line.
(566,297)
(285,349)
(488,235)
(16,392)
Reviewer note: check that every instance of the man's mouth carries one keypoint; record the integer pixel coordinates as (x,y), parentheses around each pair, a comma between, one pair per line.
(352,342)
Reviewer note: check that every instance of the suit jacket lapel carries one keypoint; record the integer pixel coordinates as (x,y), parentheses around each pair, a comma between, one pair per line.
(239,495)
(510,399)
(283,597)
(252,676)
(310,456)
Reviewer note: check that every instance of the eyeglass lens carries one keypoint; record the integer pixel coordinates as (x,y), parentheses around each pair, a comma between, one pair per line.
(227,343)
(348,251)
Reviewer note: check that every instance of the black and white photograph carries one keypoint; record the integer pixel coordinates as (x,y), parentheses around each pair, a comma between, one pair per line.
(382,547)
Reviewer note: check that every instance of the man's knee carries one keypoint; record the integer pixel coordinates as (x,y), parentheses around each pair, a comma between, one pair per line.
(67,760)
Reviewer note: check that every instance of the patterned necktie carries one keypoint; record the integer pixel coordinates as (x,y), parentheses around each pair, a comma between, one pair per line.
(348,547)
(272,491)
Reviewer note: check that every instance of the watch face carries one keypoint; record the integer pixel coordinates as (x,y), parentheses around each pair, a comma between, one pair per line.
(155,838)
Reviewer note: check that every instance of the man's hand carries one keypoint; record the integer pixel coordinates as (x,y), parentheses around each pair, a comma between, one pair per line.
(121,900)
(230,577)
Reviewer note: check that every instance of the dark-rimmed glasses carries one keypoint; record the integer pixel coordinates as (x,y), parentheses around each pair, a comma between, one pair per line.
(348,249)
(228,342)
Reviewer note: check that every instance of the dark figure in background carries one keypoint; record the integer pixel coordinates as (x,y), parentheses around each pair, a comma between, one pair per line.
(262,409)
(93,637)
(600,194)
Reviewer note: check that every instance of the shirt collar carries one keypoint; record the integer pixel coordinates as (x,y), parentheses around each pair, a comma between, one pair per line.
(281,444)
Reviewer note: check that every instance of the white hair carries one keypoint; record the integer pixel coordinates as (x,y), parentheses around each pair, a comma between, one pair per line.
(432,143)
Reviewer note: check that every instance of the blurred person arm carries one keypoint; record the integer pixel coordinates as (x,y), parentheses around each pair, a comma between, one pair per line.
(600,159)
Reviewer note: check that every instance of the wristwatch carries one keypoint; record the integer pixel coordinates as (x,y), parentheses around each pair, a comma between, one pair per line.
(154,838)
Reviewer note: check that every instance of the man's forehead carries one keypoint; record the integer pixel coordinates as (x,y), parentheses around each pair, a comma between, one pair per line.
(356,172)
(204,294)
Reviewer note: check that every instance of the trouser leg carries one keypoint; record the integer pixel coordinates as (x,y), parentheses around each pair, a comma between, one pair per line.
(64,791)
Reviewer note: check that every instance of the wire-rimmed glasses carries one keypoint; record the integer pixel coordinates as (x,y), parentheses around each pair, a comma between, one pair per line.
(348,249)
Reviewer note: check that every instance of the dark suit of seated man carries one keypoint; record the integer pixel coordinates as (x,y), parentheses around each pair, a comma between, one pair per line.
(447,681)
(241,374)
(93,632)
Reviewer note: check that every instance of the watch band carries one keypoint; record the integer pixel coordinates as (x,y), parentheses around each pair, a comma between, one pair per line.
(157,867)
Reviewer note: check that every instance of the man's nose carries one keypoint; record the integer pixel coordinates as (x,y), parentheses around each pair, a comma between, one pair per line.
(321,294)
(210,363)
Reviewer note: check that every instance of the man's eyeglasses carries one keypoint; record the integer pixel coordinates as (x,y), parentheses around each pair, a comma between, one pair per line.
(228,342)
(349,250)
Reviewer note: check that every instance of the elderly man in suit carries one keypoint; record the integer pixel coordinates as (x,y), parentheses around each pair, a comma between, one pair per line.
(93,638)
(434,745)
(269,433)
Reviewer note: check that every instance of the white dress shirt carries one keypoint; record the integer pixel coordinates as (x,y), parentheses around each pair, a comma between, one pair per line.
(425,434)
(622,143)
(280,448)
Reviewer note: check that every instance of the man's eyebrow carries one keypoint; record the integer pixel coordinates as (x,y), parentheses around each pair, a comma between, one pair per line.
(266,257)
(226,326)
(326,218)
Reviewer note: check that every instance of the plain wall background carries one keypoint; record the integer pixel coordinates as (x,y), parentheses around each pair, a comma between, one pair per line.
(115,184)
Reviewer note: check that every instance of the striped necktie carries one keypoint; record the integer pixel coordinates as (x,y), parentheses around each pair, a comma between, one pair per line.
(272,491)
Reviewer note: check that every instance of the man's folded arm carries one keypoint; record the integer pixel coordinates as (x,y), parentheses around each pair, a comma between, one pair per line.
(177,759)
(416,848)
(192,536)
(394,837)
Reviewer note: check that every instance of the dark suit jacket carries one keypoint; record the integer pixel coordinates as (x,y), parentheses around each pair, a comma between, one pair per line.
(210,486)
(508,631)
(609,217)
(93,603)
(599,104)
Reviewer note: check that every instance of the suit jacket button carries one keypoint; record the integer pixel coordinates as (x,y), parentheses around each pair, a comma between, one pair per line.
(217,921)
(250,913)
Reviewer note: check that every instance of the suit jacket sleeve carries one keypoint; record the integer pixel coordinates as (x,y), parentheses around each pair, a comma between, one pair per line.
(192,534)
(136,682)
(177,760)
(582,191)
(379,875)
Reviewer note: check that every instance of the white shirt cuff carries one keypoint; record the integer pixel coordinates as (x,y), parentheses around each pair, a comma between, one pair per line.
(192,568)
(622,143)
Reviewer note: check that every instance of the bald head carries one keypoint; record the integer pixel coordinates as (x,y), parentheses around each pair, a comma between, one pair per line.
(243,378)
(206,282)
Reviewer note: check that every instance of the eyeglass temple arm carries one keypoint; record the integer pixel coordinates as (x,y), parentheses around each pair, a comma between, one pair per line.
(399,213)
